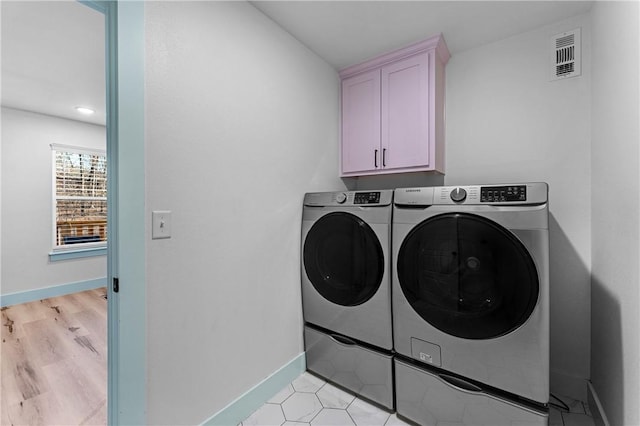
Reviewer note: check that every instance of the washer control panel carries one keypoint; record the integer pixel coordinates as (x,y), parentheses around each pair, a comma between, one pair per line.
(511,194)
(492,194)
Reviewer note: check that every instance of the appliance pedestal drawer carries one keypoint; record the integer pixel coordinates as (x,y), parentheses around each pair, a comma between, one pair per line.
(364,371)
(430,397)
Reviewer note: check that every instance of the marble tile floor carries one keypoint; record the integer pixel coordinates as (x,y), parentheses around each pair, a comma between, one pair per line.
(311,401)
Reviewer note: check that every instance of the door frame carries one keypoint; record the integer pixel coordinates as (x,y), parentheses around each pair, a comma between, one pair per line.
(126,323)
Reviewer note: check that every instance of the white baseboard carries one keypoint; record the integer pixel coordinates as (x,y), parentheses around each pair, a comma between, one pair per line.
(597,411)
(53,291)
(253,399)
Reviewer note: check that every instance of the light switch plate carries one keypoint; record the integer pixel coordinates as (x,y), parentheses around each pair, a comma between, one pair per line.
(160,224)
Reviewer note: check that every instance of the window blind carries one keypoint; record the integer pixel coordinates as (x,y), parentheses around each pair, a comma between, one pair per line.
(80,188)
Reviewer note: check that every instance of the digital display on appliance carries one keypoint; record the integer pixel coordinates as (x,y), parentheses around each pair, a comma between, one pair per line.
(490,194)
(366,198)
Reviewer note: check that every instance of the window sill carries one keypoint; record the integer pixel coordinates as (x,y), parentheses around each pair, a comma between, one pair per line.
(56,256)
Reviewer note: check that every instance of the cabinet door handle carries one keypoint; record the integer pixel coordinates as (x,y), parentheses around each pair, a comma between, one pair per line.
(375,158)
(384,157)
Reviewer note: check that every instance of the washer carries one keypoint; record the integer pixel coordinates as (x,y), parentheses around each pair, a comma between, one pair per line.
(470,288)
(346,290)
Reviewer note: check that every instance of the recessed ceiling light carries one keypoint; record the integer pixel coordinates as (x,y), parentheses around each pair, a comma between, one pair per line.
(84,110)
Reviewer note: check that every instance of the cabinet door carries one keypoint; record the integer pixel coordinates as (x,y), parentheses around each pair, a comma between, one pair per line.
(405,113)
(361,122)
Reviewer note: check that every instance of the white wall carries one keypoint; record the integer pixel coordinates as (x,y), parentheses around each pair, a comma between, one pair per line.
(27,201)
(241,120)
(615,350)
(507,122)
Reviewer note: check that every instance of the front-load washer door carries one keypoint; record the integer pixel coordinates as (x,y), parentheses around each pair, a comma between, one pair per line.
(467,276)
(343,259)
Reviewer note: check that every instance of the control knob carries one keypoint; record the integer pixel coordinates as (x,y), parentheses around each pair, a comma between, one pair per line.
(341,198)
(458,195)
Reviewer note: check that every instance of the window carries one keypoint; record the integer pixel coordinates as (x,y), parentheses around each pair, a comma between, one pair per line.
(79,197)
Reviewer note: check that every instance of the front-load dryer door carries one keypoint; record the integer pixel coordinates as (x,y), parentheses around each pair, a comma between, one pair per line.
(343,259)
(343,269)
(467,276)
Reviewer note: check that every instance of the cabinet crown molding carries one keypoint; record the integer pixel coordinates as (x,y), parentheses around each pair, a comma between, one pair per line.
(436,43)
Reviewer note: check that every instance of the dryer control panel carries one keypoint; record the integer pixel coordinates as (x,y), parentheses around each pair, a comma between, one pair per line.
(366,197)
(492,194)
(352,199)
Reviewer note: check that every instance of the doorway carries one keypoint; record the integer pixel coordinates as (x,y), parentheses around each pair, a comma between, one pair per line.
(53,236)
(125,39)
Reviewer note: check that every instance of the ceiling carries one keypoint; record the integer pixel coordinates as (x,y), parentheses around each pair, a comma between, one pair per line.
(347,32)
(53,51)
(53,58)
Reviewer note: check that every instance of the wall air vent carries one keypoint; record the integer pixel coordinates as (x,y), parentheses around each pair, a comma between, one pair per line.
(565,50)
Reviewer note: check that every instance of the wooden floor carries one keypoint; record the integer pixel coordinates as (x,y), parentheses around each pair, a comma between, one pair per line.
(54,361)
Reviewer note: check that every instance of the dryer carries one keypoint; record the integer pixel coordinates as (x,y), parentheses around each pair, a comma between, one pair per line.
(346,290)
(470,292)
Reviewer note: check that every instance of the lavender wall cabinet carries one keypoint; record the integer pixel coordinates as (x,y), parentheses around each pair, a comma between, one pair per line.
(393,111)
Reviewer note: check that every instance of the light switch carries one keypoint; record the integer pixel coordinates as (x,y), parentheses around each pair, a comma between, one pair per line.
(161,224)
